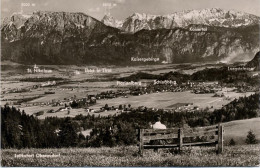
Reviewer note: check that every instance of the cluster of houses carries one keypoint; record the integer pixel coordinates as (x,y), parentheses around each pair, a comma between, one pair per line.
(44,84)
(135,91)
(29,88)
(197,88)
(111,94)
(203,88)
(78,103)
(49,83)
(66,104)
(188,107)
(120,107)
(89,100)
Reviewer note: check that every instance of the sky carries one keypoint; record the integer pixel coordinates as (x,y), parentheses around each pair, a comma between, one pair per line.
(121,9)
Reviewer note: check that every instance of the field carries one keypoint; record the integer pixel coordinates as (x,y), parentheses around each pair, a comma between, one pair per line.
(164,100)
(167,99)
(246,155)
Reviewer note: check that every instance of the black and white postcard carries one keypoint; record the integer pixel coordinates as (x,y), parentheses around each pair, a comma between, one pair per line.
(130,83)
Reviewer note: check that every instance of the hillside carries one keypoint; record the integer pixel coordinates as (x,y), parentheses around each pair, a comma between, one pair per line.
(76,38)
(239,155)
(254,63)
(238,130)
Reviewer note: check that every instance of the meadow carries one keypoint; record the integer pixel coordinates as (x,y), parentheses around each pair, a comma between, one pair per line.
(245,155)
(238,130)
(167,99)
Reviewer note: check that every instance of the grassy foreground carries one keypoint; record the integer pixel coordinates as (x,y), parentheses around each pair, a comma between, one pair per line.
(245,155)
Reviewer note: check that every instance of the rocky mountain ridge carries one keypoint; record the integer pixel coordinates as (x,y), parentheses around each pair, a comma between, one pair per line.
(111,21)
(76,38)
(209,17)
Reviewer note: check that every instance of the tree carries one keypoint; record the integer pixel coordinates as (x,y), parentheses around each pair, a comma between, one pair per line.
(74,104)
(106,107)
(81,136)
(251,139)
(82,140)
(68,133)
(120,107)
(108,138)
(232,142)
(126,134)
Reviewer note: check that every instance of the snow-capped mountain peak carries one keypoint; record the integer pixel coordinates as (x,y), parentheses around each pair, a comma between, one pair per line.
(111,21)
(209,16)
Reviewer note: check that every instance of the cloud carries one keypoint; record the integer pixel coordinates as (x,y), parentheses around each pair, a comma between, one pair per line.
(118,1)
(94,9)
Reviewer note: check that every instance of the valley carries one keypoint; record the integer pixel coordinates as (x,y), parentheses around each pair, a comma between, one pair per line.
(49,93)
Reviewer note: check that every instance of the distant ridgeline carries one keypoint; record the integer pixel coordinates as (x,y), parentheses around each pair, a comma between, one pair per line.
(223,75)
(76,38)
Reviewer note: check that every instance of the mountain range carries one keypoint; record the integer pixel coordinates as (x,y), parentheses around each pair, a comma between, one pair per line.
(76,38)
(209,17)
